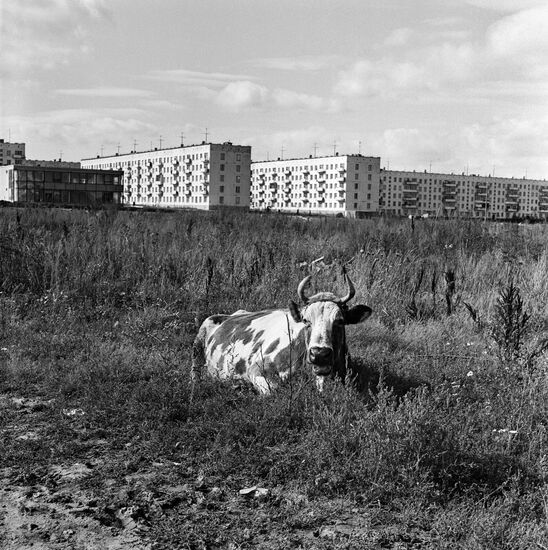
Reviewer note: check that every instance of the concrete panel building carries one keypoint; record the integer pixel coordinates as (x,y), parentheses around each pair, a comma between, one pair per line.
(59,184)
(406,193)
(338,184)
(11,153)
(206,176)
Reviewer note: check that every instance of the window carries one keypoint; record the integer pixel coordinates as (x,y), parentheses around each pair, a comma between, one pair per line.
(369,177)
(222,167)
(370,167)
(238,157)
(355,195)
(357,166)
(222,156)
(356,176)
(222,177)
(222,188)
(237,200)
(237,188)
(238,168)
(238,179)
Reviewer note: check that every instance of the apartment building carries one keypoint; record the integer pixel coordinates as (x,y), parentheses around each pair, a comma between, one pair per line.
(59,184)
(338,184)
(11,153)
(406,193)
(205,176)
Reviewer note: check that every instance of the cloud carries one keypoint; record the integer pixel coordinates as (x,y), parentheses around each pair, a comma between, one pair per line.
(196,78)
(504,5)
(305,63)
(509,144)
(106,92)
(513,49)
(82,129)
(43,34)
(295,143)
(242,95)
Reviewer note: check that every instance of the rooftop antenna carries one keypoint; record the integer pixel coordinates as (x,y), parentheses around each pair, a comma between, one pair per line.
(60,155)
(102,149)
(283,151)
(182,139)
(151,145)
(359,147)
(334,147)
(493,170)
(118,148)
(206,134)
(526,173)
(160,141)
(134,145)
(315,149)
(430,167)
(9,135)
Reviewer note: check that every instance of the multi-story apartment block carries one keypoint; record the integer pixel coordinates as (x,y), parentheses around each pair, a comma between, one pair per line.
(468,196)
(345,184)
(205,176)
(11,153)
(60,183)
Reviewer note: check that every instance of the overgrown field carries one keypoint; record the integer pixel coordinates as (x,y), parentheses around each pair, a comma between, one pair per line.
(440,443)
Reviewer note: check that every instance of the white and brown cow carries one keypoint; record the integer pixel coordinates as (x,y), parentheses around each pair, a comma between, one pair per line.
(266,346)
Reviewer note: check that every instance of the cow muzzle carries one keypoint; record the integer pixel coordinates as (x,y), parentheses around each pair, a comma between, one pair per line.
(321,360)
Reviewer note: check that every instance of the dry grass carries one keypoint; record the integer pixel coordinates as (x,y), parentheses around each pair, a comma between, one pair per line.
(443,447)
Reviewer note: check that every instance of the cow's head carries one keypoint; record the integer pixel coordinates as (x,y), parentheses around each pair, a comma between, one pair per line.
(325,316)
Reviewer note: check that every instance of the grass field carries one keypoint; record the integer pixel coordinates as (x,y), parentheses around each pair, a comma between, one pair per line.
(441,443)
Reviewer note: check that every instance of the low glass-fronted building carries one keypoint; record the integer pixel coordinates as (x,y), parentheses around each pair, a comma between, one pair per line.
(60,184)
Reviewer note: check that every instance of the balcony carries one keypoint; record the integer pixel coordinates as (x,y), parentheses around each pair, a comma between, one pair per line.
(273,186)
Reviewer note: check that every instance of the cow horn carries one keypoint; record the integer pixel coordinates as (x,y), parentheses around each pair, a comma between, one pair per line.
(351,289)
(300,289)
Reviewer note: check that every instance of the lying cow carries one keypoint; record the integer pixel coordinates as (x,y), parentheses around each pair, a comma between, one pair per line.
(265,346)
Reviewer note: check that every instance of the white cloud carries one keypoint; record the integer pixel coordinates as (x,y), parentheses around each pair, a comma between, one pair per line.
(304,63)
(82,129)
(241,95)
(295,143)
(42,34)
(504,5)
(106,92)
(515,144)
(513,49)
(185,77)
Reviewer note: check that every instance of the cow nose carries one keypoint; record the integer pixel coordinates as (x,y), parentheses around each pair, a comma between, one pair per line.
(320,356)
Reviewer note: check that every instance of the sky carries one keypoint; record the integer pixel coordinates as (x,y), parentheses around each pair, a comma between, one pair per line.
(441,85)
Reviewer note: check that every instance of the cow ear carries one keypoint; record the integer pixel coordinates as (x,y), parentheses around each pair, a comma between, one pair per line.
(295,312)
(357,314)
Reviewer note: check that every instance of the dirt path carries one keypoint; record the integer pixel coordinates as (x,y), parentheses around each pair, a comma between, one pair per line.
(53,511)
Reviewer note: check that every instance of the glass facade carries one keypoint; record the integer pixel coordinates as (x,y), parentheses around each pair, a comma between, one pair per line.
(71,187)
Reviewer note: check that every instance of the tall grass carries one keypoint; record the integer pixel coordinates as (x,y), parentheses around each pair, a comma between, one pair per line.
(100,310)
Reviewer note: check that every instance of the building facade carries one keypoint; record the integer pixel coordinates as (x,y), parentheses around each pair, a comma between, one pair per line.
(206,176)
(338,184)
(405,193)
(11,153)
(59,184)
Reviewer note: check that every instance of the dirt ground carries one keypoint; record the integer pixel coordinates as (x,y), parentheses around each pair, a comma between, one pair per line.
(76,505)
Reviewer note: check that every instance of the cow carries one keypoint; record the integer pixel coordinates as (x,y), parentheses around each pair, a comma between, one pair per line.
(268,346)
